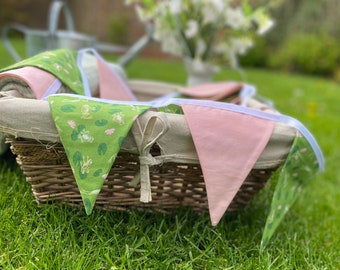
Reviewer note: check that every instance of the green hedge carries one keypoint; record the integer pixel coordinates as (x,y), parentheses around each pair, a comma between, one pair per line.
(308,53)
(302,53)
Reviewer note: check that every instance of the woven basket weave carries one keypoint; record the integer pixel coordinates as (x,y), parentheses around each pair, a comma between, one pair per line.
(173,184)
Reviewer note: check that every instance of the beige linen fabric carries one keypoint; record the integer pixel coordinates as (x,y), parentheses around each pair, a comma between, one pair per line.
(175,141)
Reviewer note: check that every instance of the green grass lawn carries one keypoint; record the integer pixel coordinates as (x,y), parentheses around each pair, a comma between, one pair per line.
(60,237)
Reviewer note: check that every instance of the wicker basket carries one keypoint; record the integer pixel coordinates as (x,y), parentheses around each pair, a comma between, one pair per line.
(173,184)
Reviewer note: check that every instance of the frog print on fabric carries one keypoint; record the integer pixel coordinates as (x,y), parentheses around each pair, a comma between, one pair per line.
(298,170)
(92,133)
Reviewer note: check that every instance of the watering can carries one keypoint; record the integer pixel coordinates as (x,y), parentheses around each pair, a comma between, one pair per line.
(42,40)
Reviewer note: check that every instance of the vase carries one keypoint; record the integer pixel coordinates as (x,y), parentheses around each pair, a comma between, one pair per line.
(199,72)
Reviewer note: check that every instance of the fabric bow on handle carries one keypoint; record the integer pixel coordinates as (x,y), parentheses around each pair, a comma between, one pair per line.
(145,139)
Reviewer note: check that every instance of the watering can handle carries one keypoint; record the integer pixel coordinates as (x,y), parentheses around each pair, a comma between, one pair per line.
(54,13)
(138,46)
(12,26)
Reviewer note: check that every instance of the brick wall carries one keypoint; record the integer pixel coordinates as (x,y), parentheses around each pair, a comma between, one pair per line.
(94,17)
(90,17)
(32,13)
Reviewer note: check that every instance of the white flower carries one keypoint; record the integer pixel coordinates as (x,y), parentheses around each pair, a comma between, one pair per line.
(214,31)
(171,45)
(220,48)
(265,27)
(192,29)
(219,4)
(168,39)
(175,6)
(242,44)
(263,21)
(142,13)
(235,18)
(210,14)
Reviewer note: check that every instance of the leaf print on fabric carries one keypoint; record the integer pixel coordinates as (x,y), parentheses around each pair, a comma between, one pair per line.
(171,108)
(88,204)
(74,135)
(121,141)
(68,108)
(102,148)
(98,172)
(101,122)
(87,111)
(114,110)
(77,158)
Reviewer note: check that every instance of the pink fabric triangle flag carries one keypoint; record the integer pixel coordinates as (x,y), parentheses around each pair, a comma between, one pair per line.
(111,86)
(212,91)
(228,145)
(37,79)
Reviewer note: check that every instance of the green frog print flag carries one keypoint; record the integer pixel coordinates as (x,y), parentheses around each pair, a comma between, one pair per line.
(92,133)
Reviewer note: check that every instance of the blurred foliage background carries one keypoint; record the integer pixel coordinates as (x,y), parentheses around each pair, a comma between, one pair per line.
(304,40)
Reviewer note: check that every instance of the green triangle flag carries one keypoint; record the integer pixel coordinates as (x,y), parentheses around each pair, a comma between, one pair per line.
(298,170)
(92,133)
(62,63)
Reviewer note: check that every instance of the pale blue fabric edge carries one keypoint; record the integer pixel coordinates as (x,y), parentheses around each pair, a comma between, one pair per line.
(169,100)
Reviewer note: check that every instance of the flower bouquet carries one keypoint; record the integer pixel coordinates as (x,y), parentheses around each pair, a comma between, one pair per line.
(205,33)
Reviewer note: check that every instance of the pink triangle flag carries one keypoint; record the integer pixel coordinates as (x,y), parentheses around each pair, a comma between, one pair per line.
(37,79)
(228,145)
(212,91)
(111,85)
